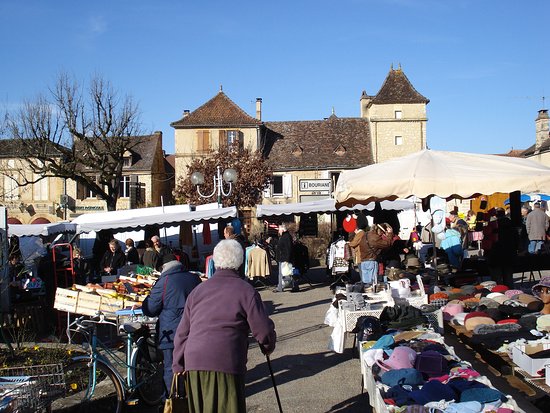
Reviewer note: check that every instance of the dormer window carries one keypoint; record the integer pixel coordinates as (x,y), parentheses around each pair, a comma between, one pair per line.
(398,114)
(340,150)
(127,159)
(297,151)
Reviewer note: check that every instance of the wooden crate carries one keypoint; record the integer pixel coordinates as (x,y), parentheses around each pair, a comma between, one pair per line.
(110,305)
(88,304)
(66,300)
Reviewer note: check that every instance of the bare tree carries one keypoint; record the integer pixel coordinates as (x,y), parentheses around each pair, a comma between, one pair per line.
(78,133)
(253,172)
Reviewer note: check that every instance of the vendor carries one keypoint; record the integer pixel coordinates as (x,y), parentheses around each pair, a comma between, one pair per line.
(113,259)
(16,268)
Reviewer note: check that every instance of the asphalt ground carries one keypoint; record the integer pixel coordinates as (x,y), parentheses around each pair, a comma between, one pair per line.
(308,376)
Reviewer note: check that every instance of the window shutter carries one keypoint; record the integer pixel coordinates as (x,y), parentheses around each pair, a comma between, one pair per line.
(222,139)
(287,185)
(80,191)
(267,191)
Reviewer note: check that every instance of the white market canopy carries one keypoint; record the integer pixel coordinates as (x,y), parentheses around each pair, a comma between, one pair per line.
(445,174)
(324,206)
(29,230)
(134,219)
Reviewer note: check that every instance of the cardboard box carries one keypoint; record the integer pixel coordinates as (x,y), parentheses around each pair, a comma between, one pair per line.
(521,356)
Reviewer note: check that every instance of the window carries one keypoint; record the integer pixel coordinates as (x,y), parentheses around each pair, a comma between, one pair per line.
(203,140)
(277,185)
(124,187)
(11,189)
(398,114)
(127,162)
(399,140)
(230,138)
(40,189)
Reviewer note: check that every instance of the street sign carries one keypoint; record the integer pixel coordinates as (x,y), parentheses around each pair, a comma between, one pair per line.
(309,185)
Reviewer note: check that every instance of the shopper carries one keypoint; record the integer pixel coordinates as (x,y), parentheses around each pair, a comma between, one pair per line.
(164,253)
(132,255)
(167,301)
(150,256)
(283,253)
(537,225)
(211,342)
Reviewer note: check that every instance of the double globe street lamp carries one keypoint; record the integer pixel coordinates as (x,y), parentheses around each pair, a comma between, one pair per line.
(229,176)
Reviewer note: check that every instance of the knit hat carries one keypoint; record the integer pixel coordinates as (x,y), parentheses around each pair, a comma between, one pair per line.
(476,318)
(488,302)
(402,357)
(458,319)
(488,284)
(512,293)
(499,288)
(543,323)
(498,297)
(544,282)
(530,301)
(452,309)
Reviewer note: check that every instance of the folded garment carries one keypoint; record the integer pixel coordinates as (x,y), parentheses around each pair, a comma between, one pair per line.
(464,407)
(496,328)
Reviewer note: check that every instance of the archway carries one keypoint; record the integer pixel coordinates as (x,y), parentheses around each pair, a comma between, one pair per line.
(12,221)
(41,221)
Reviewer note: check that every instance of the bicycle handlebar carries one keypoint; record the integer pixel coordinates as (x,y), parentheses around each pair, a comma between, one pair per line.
(84,324)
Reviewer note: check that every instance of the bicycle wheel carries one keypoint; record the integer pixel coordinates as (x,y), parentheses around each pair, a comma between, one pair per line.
(149,377)
(83,397)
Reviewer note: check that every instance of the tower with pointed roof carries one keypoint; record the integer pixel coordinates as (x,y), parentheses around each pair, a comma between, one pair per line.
(397,117)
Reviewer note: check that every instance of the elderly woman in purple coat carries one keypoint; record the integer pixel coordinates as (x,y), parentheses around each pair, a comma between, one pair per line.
(211,342)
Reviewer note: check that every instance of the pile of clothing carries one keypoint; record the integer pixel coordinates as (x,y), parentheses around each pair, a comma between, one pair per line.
(416,372)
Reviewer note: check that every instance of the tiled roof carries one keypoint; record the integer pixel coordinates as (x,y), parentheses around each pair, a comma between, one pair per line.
(143,153)
(514,153)
(333,143)
(544,147)
(220,111)
(13,148)
(143,150)
(398,89)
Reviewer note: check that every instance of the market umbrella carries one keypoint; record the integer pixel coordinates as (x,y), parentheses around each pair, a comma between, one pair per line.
(445,174)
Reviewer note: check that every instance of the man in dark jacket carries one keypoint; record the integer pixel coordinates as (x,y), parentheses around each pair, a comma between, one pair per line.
(283,255)
(164,253)
(167,301)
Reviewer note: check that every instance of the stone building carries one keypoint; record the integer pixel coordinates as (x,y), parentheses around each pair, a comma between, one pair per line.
(143,183)
(540,150)
(308,156)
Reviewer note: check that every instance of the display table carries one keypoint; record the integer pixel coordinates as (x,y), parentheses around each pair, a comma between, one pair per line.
(376,389)
(502,365)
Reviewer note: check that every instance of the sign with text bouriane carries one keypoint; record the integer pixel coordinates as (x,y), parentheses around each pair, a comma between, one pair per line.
(309,185)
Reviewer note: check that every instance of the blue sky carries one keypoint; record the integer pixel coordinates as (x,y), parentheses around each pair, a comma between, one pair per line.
(482,63)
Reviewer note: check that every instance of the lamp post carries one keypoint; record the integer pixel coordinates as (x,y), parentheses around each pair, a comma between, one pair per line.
(229,176)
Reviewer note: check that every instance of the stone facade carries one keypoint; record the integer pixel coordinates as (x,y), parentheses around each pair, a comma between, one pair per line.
(392,123)
(41,202)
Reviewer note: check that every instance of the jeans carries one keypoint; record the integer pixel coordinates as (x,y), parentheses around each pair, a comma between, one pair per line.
(535,246)
(368,271)
(167,354)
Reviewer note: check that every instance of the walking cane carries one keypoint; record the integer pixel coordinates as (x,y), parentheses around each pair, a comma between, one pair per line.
(273,381)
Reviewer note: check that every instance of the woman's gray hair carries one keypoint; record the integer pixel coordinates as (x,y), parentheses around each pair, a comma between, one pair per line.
(228,254)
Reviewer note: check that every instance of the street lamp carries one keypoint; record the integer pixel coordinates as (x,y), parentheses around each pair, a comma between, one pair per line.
(229,176)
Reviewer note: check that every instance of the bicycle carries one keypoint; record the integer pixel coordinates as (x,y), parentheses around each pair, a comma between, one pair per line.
(103,381)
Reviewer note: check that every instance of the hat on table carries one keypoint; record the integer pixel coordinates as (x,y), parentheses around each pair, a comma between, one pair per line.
(530,301)
(477,318)
(512,293)
(458,319)
(402,357)
(498,297)
(543,322)
(499,288)
(452,309)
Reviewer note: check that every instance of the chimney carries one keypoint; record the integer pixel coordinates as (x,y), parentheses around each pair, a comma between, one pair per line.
(541,125)
(365,104)
(186,113)
(259,108)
